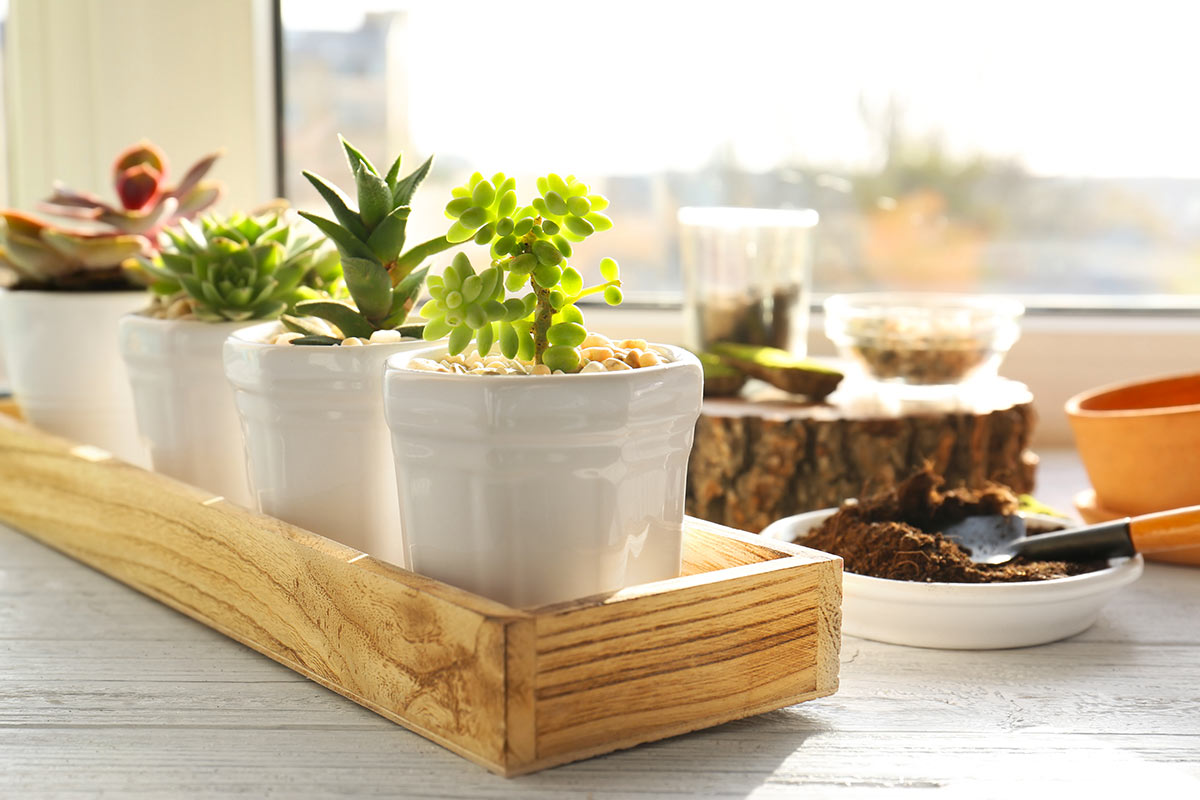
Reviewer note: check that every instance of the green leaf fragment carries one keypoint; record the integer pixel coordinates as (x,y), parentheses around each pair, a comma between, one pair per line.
(369,286)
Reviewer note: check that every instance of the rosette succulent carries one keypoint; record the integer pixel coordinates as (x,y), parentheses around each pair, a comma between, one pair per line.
(525,299)
(39,255)
(147,203)
(380,275)
(237,268)
(42,255)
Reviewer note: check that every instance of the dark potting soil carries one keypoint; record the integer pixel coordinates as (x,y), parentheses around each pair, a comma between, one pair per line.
(892,535)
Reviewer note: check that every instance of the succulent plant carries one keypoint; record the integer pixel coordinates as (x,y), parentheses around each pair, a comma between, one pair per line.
(381,277)
(529,246)
(46,256)
(147,203)
(239,267)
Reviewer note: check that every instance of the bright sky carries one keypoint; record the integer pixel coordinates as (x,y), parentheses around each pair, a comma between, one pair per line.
(1070,88)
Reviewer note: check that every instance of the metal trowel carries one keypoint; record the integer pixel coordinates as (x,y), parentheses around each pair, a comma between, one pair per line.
(999,538)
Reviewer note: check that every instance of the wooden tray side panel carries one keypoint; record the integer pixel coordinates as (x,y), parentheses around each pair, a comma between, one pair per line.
(431,664)
(644,668)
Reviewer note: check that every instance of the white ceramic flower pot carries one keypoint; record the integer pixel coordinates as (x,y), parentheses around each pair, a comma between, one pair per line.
(65,369)
(536,489)
(184,404)
(316,441)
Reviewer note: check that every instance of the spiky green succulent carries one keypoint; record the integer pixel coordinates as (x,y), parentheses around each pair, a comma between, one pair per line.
(381,277)
(237,267)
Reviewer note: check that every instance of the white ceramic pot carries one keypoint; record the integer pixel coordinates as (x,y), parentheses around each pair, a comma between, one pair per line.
(536,489)
(316,441)
(64,367)
(185,409)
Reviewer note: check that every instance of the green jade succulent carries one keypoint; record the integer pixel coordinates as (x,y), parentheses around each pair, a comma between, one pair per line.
(237,268)
(526,298)
(381,277)
(41,255)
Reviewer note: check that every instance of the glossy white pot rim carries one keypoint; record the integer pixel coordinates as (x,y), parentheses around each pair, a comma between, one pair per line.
(435,352)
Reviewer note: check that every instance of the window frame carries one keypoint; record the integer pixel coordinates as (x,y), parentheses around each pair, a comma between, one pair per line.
(1063,349)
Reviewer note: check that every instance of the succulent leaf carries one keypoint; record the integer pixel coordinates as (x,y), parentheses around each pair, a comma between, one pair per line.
(355,157)
(138,185)
(394,172)
(404,297)
(347,244)
(337,203)
(374,197)
(402,196)
(94,251)
(348,320)
(387,240)
(369,286)
(192,178)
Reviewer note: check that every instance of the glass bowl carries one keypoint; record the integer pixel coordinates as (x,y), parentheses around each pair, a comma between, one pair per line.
(923,340)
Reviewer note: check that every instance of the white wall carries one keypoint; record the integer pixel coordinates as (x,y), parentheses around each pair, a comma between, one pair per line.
(86,78)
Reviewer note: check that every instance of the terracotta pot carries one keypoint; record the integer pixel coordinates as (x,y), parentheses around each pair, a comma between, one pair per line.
(1140,443)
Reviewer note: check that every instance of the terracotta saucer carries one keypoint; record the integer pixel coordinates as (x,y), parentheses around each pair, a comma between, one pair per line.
(1092,512)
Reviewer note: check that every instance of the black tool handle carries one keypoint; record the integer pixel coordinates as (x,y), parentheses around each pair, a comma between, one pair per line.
(1093,543)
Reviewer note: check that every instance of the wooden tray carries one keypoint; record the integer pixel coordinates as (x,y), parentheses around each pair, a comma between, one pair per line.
(752,625)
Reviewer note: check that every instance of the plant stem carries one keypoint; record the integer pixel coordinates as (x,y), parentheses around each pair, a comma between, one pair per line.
(541,321)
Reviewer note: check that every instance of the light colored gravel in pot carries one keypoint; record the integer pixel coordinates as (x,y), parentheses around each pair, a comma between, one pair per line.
(600,354)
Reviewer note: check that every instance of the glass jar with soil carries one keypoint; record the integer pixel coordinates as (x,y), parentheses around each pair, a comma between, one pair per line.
(746,274)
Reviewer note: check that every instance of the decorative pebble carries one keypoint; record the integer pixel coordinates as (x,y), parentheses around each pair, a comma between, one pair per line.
(597,353)
(285,338)
(353,341)
(179,309)
(386,337)
(647,358)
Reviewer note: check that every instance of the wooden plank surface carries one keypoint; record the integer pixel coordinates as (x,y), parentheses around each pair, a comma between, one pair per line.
(423,654)
(104,692)
(640,668)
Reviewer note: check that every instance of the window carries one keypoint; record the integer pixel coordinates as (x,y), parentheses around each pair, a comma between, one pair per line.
(1032,150)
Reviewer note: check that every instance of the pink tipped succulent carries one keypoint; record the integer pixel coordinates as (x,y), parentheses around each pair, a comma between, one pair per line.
(147,203)
(46,256)
(138,175)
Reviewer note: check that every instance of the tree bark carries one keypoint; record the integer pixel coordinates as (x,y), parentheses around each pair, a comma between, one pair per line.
(758,459)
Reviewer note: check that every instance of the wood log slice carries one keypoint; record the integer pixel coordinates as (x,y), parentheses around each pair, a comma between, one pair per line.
(764,456)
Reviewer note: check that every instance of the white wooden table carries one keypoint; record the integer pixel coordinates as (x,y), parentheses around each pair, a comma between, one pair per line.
(104,692)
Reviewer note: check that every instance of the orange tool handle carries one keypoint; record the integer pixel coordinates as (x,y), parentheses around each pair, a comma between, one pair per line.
(1166,530)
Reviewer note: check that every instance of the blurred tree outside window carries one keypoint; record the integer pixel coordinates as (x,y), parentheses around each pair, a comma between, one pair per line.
(1043,149)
